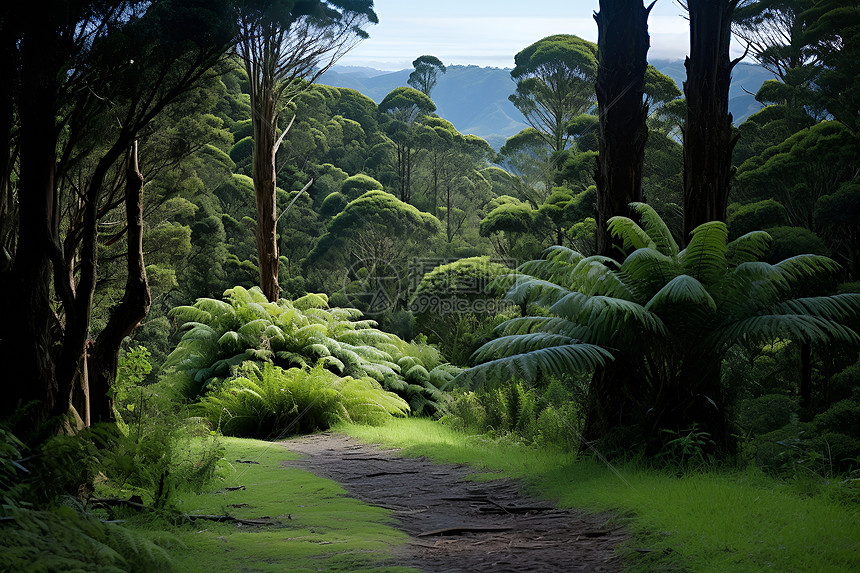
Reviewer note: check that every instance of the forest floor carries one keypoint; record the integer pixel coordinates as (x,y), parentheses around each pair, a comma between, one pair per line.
(455,523)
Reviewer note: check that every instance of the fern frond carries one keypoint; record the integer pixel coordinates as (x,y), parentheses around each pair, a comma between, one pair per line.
(800,327)
(631,234)
(185,314)
(552,361)
(685,291)
(840,307)
(704,259)
(518,344)
(311,300)
(804,267)
(562,254)
(748,248)
(656,229)
(536,291)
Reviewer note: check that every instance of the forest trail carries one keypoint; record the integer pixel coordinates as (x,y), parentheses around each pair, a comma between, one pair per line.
(456,525)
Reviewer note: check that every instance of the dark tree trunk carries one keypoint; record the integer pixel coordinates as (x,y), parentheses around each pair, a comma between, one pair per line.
(26,349)
(104,356)
(265,192)
(708,139)
(622,51)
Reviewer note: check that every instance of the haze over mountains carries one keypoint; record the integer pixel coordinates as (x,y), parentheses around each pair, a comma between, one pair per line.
(475,99)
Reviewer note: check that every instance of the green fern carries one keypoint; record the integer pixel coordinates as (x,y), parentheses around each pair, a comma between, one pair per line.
(672,313)
(272,401)
(288,334)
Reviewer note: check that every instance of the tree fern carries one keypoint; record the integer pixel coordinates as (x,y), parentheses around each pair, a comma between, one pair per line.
(671,314)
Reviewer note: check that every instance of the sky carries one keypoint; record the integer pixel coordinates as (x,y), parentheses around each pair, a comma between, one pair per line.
(488,33)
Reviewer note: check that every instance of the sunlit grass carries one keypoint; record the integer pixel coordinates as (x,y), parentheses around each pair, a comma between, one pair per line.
(323,529)
(716,521)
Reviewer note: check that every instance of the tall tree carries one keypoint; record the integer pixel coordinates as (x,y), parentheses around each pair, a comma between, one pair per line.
(555,82)
(426,73)
(774,32)
(285,45)
(832,28)
(113,68)
(405,106)
(622,52)
(708,137)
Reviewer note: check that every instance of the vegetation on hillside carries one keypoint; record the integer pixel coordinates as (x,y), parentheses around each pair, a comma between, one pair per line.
(198,240)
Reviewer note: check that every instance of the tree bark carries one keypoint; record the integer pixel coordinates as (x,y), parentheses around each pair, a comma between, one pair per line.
(265,192)
(708,138)
(622,52)
(102,360)
(25,331)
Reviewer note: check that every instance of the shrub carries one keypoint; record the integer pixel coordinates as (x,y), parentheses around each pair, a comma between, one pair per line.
(221,335)
(275,402)
(767,413)
(62,539)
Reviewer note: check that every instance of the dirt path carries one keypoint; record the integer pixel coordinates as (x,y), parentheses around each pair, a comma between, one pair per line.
(457,525)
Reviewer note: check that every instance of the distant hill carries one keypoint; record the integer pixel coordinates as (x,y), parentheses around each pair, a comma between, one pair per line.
(475,99)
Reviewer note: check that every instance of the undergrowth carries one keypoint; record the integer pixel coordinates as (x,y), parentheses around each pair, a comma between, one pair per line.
(317,526)
(703,521)
(271,401)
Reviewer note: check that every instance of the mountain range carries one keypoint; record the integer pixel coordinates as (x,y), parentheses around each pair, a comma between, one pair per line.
(475,99)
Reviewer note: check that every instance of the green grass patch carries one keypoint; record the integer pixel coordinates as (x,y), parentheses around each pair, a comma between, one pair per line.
(323,529)
(713,521)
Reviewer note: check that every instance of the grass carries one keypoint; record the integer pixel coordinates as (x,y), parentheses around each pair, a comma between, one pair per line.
(712,521)
(323,529)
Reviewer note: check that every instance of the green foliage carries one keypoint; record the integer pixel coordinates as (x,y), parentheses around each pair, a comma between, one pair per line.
(62,539)
(555,82)
(743,219)
(277,402)
(155,450)
(221,335)
(766,413)
(427,69)
(406,104)
(676,311)
(686,449)
(550,418)
(456,292)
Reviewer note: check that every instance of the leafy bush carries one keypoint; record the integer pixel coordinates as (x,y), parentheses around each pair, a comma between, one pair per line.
(62,539)
(549,418)
(277,402)
(221,335)
(767,413)
(155,448)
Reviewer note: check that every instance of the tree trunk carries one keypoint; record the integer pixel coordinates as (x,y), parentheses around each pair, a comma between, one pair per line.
(708,139)
(26,344)
(622,51)
(265,193)
(104,356)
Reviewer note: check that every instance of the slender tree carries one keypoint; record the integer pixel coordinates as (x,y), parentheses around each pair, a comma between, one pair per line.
(426,73)
(285,46)
(405,106)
